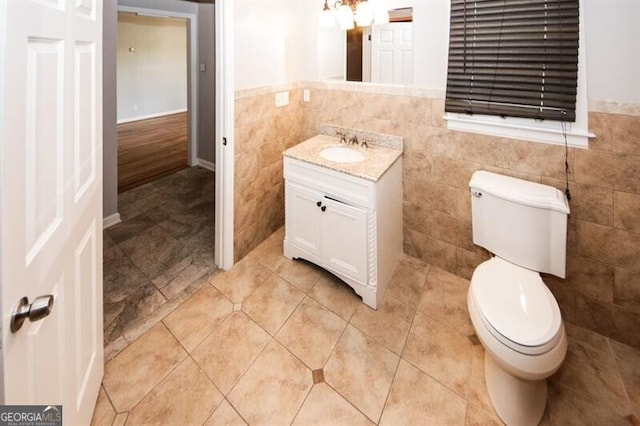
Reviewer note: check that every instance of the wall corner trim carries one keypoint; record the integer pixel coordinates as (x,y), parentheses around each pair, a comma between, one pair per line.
(109,221)
(205,164)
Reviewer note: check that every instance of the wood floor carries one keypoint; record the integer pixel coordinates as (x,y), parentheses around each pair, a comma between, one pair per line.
(148,149)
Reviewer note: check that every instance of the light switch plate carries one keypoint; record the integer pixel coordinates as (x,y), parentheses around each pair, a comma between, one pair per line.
(306,95)
(282,99)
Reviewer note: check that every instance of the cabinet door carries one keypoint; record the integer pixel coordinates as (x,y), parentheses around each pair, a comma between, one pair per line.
(344,239)
(303,220)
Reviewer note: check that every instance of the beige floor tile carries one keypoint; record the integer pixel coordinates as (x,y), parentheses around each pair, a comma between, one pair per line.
(361,370)
(325,406)
(272,303)
(628,362)
(478,417)
(114,348)
(103,414)
(121,419)
(302,274)
(416,263)
(185,397)
(147,321)
(571,408)
(225,415)
(196,318)
(389,324)
(241,280)
(277,237)
(445,296)
(269,254)
(311,333)
(590,369)
(141,366)
(440,352)
(407,283)
(273,389)
(153,377)
(335,294)
(229,351)
(191,275)
(417,399)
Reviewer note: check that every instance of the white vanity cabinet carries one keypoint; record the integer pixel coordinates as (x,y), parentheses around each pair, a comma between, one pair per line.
(348,225)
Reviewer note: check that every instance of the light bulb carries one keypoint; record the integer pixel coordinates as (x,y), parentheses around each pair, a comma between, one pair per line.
(345,17)
(364,14)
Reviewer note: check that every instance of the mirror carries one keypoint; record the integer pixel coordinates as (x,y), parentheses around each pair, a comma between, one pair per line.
(380,53)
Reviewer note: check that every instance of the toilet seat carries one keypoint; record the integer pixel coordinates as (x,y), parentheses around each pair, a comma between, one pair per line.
(516,306)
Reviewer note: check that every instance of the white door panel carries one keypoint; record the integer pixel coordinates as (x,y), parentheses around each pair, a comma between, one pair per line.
(304,222)
(392,53)
(51,200)
(344,242)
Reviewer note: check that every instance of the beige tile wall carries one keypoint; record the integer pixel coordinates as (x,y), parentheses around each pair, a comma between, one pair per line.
(602,289)
(262,132)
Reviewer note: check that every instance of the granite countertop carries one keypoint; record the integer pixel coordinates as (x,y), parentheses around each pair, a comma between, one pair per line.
(377,158)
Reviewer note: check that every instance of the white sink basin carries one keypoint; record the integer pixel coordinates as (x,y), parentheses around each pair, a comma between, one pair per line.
(341,154)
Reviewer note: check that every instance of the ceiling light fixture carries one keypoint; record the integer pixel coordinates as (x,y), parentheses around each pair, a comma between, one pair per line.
(348,13)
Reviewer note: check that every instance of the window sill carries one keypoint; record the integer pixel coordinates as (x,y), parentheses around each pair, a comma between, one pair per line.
(522,129)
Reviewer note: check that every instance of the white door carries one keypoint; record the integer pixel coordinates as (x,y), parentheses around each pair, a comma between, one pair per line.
(392,53)
(51,200)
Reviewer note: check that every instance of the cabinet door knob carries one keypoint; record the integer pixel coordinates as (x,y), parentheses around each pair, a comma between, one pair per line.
(319,203)
(323,208)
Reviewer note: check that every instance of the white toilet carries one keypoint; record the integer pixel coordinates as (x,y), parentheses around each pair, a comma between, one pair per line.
(516,318)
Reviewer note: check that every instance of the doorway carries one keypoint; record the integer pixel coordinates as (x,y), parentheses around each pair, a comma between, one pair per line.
(163,249)
(152,97)
(354,54)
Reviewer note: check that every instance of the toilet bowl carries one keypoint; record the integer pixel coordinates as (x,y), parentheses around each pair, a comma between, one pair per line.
(516,318)
(518,322)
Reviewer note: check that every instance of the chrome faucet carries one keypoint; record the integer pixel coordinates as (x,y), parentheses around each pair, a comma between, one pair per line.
(343,137)
(353,140)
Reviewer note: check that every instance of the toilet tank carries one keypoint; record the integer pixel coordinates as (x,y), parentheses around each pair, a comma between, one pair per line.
(520,221)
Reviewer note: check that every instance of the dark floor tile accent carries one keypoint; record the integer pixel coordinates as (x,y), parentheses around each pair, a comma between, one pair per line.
(318,376)
(160,252)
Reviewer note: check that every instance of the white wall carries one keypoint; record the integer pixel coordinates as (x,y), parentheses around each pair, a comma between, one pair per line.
(152,80)
(613,50)
(269,44)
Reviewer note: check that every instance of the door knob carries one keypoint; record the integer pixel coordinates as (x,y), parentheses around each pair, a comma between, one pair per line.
(40,308)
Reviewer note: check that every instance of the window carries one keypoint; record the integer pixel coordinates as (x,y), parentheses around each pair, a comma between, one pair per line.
(514,69)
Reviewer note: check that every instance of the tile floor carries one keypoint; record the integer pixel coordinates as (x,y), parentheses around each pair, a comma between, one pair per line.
(159,254)
(275,341)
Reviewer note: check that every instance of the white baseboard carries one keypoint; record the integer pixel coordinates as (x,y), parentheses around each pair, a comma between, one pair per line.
(156,115)
(111,220)
(205,164)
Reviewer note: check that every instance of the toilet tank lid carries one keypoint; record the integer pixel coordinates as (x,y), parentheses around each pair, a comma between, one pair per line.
(519,191)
